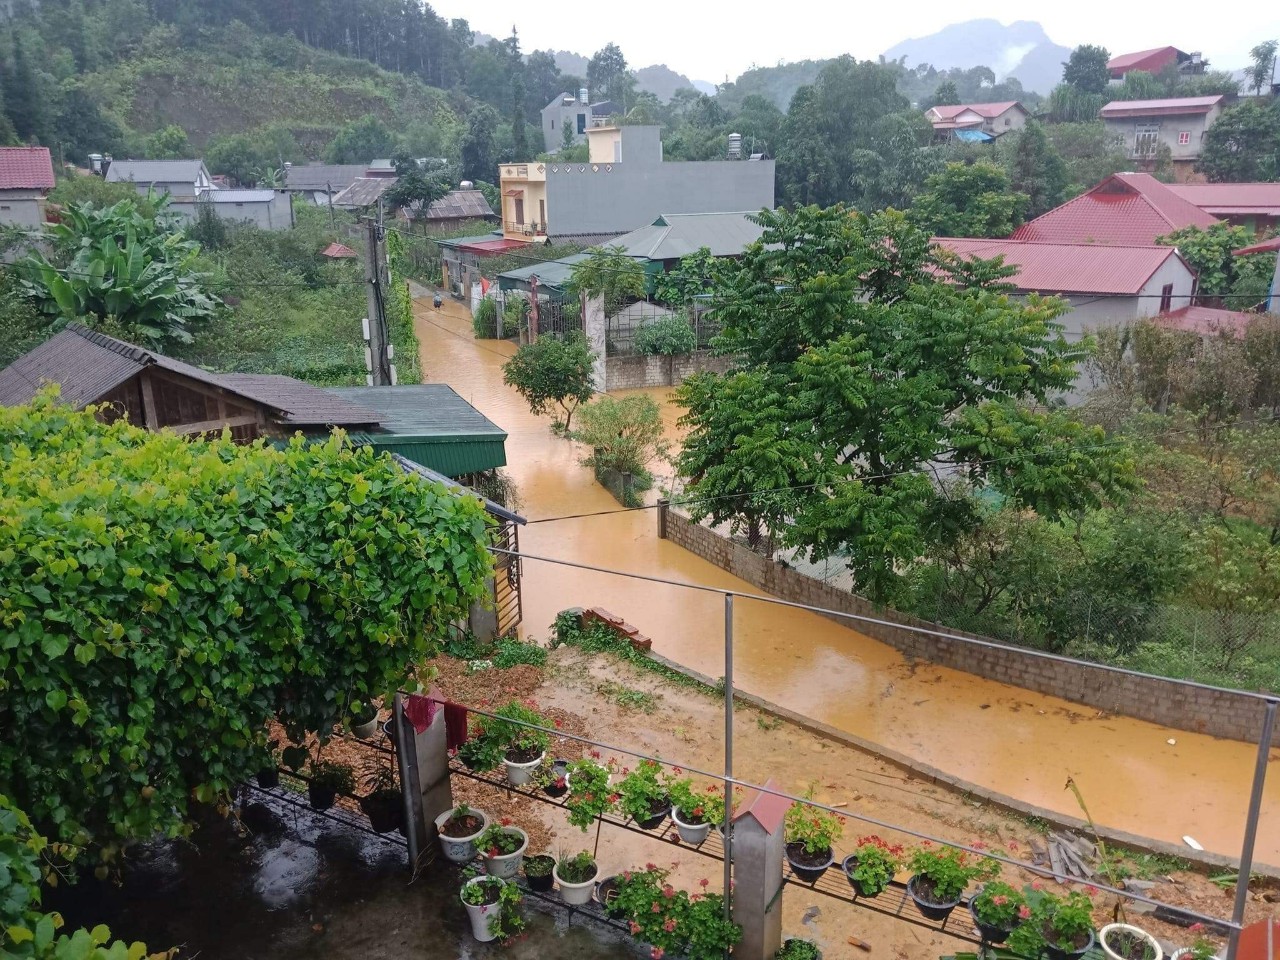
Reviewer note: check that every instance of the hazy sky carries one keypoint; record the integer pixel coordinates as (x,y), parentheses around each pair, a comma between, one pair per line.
(707,40)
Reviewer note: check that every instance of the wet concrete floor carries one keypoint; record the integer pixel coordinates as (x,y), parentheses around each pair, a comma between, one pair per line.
(302,887)
(1002,737)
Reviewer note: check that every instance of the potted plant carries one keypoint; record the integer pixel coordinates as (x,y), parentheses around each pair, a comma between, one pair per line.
(502,845)
(1202,949)
(576,877)
(481,752)
(796,949)
(459,829)
(537,870)
(552,777)
(481,897)
(269,776)
(523,749)
(1061,927)
(384,804)
(707,934)
(692,812)
(608,894)
(996,910)
(810,833)
(326,781)
(940,876)
(1124,941)
(589,793)
(642,797)
(872,865)
(364,719)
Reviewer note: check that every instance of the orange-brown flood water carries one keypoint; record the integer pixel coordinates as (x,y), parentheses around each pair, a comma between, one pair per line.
(1012,740)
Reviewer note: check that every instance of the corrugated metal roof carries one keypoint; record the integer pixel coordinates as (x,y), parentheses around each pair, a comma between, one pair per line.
(1126,208)
(1222,198)
(551,273)
(155,171)
(1266,246)
(1150,60)
(459,205)
(1175,106)
(239,196)
(428,474)
(302,403)
(25,168)
(986,110)
(323,176)
(1069,268)
(456,242)
(363,191)
(973,136)
(672,236)
(1207,321)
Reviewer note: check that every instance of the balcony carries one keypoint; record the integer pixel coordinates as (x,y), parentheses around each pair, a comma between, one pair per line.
(531,229)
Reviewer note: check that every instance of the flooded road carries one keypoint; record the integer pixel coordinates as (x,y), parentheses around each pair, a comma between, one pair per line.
(1012,740)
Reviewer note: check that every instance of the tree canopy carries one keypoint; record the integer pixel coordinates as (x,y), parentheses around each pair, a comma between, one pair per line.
(162,599)
(876,381)
(1243,145)
(1086,69)
(553,373)
(969,200)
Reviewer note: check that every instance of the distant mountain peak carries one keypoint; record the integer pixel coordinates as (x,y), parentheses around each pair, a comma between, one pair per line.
(1020,49)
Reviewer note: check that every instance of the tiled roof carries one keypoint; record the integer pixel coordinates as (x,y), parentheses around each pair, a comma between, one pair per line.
(675,235)
(459,205)
(1227,198)
(987,110)
(88,365)
(25,168)
(1152,60)
(1071,268)
(155,171)
(1178,106)
(1126,208)
(1266,246)
(1206,320)
(364,191)
(339,251)
(323,176)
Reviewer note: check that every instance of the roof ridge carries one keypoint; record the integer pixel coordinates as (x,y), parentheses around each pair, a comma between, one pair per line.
(129,350)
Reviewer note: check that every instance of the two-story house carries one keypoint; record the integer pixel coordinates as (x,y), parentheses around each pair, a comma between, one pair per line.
(575,113)
(1180,124)
(181,179)
(26,177)
(623,185)
(993,119)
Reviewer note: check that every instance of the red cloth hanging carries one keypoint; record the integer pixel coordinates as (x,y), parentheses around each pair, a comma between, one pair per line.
(420,710)
(455,726)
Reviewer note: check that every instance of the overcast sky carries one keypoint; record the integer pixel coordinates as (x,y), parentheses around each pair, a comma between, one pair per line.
(709,40)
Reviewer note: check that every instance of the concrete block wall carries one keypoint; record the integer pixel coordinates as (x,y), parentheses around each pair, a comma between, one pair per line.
(639,371)
(1169,703)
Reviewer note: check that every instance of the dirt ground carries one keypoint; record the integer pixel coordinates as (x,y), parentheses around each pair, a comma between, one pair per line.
(615,702)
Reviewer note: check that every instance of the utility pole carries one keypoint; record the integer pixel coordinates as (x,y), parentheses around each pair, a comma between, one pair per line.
(378,349)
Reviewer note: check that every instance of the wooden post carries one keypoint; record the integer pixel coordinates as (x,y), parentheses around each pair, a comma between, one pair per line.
(759,843)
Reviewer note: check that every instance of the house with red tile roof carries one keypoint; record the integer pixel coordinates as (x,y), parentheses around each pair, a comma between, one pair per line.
(26,177)
(1129,209)
(1155,60)
(991,118)
(1206,321)
(1179,123)
(1254,206)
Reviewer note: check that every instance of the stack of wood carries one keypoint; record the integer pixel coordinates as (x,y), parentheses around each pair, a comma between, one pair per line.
(1067,855)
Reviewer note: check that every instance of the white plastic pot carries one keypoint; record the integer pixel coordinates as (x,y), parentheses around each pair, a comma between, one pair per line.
(507,866)
(1129,928)
(481,916)
(575,894)
(518,774)
(694,833)
(365,730)
(460,849)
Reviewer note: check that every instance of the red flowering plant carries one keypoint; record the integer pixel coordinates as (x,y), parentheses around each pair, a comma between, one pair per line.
(943,873)
(999,906)
(500,839)
(590,795)
(874,864)
(816,829)
(653,907)
(642,791)
(708,935)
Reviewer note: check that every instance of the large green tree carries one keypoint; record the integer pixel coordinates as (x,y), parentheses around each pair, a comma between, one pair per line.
(883,372)
(1086,69)
(1038,171)
(896,163)
(1262,72)
(1243,145)
(1239,283)
(609,78)
(361,141)
(554,374)
(479,148)
(162,599)
(969,200)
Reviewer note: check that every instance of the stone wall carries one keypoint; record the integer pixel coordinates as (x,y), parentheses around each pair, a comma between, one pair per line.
(1170,703)
(637,371)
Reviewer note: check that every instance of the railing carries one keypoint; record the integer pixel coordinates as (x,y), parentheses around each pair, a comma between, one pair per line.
(531,229)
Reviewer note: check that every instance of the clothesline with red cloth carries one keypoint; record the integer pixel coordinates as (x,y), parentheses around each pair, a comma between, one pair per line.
(421,711)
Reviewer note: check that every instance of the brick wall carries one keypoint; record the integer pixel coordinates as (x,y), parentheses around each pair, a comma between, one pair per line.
(1170,703)
(635,372)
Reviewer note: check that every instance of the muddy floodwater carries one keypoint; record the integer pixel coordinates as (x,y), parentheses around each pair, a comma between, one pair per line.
(1005,738)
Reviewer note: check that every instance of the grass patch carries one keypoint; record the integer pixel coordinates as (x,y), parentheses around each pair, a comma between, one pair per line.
(628,697)
(504,653)
(595,637)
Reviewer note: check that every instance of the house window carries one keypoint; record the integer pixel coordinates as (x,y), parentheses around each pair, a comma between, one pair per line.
(1008,121)
(1184,137)
(1145,138)
(542,213)
(582,123)
(1166,297)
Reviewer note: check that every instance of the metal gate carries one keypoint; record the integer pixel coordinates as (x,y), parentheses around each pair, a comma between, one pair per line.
(506,578)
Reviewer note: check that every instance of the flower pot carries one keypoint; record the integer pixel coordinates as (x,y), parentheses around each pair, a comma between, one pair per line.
(849,864)
(385,810)
(460,849)
(1058,953)
(607,894)
(268,778)
(366,730)
(575,894)
(808,867)
(321,797)
(656,816)
(988,933)
(543,883)
(518,774)
(694,833)
(480,916)
(506,866)
(1112,929)
(930,909)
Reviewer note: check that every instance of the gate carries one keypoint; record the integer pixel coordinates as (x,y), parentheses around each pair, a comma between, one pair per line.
(506,578)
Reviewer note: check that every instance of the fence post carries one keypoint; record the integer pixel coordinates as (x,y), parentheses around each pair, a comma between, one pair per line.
(663,507)
(758,842)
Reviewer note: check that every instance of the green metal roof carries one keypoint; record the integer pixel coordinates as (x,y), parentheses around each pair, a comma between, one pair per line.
(551,274)
(460,241)
(430,424)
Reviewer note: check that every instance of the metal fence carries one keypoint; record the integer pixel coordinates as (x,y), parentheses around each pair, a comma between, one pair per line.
(622,324)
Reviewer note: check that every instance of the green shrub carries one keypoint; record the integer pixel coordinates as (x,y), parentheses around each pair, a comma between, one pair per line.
(667,336)
(484,319)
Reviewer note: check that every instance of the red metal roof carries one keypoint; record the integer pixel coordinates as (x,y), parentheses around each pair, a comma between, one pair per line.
(1130,209)
(1177,106)
(1266,246)
(768,809)
(25,168)
(1070,268)
(339,251)
(1152,61)
(1206,320)
(1226,198)
(987,110)
(492,247)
